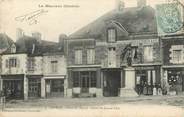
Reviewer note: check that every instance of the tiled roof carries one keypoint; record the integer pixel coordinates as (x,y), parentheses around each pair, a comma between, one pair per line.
(133,19)
(33,46)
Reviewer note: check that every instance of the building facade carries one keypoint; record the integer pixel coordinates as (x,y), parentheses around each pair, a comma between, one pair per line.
(97,54)
(173,58)
(31,70)
(54,75)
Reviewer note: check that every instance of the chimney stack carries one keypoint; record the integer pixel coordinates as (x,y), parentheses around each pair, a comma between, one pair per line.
(120,5)
(19,33)
(37,35)
(141,3)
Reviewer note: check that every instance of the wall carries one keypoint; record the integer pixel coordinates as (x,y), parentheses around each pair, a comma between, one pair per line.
(47,64)
(83,44)
(38,66)
(101,50)
(167,44)
(20,69)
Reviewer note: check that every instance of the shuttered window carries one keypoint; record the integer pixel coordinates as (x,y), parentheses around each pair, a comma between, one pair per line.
(148,53)
(78,56)
(90,56)
(111,35)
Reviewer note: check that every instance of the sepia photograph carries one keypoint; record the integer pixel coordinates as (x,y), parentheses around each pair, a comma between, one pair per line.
(92,58)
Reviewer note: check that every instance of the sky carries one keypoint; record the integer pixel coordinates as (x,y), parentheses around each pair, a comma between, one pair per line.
(57,20)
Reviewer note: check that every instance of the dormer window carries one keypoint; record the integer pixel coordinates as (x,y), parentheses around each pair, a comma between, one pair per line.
(111,35)
(13,49)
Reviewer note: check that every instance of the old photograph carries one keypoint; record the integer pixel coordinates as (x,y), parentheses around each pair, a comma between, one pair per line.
(92,58)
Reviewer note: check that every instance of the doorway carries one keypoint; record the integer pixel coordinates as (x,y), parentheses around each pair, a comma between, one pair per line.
(112,83)
(34,88)
(84,82)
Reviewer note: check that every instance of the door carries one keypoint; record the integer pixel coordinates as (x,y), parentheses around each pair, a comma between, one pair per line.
(34,88)
(13,89)
(85,83)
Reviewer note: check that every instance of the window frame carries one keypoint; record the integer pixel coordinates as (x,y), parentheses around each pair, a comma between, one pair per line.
(174,57)
(152,56)
(76,59)
(108,39)
(31,64)
(54,66)
(12,62)
(91,56)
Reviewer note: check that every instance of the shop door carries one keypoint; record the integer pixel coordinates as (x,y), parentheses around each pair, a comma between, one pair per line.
(34,88)
(84,83)
(13,89)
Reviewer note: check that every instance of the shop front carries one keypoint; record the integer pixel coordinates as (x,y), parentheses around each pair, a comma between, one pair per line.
(54,87)
(84,82)
(147,77)
(13,86)
(175,79)
(34,86)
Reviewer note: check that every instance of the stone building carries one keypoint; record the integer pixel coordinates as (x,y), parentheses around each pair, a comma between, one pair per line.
(173,62)
(26,68)
(96,54)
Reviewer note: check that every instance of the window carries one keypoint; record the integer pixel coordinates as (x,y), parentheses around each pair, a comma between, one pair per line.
(93,79)
(13,49)
(111,35)
(90,56)
(11,63)
(177,56)
(84,79)
(148,53)
(57,85)
(76,79)
(31,64)
(112,57)
(78,56)
(54,66)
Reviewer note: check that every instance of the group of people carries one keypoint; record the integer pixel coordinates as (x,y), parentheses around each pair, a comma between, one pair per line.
(144,89)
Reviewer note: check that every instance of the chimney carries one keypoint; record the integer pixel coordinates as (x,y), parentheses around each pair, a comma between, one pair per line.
(37,35)
(62,38)
(120,5)
(19,33)
(141,3)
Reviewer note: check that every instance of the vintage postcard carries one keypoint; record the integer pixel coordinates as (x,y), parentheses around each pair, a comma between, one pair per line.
(92,58)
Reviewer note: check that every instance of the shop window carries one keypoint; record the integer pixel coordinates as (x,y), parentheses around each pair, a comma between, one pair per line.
(78,56)
(54,66)
(76,79)
(84,79)
(111,35)
(90,56)
(112,57)
(148,53)
(93,79)
(31,64)
(57,86)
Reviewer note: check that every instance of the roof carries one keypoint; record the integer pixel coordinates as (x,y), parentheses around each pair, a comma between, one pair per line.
(133,19)
(5,42)
(33,46)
